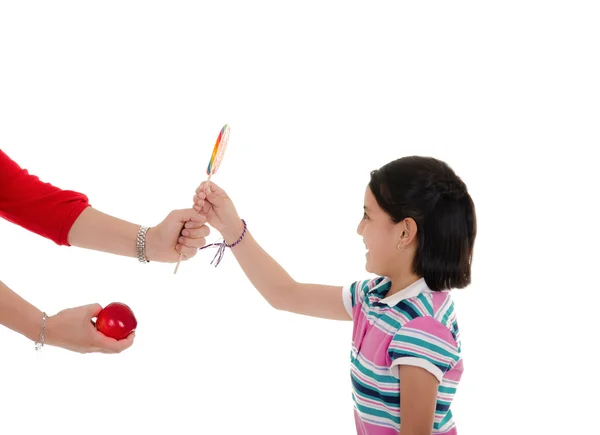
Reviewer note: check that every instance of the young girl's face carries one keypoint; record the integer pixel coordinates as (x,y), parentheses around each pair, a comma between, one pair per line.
(379,235)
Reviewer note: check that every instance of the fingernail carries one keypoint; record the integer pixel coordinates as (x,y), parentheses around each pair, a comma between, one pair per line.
(185,232)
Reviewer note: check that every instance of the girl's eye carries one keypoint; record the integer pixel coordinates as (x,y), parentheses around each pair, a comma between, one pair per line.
(365,216)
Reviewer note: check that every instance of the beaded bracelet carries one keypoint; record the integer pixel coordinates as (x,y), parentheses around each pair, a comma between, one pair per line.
(223,245)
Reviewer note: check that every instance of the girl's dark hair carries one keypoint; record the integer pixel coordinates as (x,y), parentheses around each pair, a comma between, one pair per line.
(428,190)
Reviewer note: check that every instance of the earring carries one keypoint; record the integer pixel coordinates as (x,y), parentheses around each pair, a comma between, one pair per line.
(400,248)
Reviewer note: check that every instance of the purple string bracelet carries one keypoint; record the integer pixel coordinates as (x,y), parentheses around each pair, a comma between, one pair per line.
(222,245)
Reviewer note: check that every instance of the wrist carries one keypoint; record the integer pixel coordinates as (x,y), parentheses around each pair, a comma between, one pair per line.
(145,244)
(232,232)
(50,338)
(34,326)
(39,343)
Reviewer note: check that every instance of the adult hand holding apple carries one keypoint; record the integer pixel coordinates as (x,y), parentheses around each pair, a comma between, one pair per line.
(73,329)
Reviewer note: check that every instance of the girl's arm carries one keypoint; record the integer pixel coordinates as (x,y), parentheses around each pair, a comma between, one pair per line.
(418,397)
(268,277)
(423,351)
(278,287)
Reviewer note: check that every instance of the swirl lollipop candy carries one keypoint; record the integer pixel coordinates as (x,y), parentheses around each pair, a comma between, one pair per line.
(218,152)
(214,163)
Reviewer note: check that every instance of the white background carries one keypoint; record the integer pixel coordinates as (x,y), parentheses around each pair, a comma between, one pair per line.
(123,101)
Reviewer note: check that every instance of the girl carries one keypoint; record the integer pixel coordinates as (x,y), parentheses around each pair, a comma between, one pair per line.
(419,228)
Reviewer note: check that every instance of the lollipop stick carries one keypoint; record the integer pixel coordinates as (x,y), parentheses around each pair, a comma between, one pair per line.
(177,267)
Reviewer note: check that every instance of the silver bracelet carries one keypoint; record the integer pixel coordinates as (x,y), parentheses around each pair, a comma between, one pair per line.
(40,344)
(141,245)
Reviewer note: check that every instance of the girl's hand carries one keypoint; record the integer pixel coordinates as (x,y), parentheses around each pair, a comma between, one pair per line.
(213,202)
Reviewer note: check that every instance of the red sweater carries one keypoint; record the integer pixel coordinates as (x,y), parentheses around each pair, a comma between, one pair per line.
(37,206)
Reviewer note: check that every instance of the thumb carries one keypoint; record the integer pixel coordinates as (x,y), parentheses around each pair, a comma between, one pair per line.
(189,214)
(214,194)
(92,310)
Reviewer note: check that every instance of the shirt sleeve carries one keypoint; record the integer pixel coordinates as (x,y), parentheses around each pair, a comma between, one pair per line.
(35,205)
(424,342)
(354,294)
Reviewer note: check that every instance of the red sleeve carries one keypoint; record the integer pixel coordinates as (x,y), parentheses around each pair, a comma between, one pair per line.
(37,206)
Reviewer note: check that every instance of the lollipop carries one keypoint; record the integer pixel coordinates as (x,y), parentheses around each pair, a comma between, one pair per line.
(214,163)
(218,152)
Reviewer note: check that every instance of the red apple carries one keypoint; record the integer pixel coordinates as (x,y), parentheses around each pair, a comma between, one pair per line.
(116,320)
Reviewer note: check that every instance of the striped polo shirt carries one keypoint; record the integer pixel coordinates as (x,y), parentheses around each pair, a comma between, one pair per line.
(415,326)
